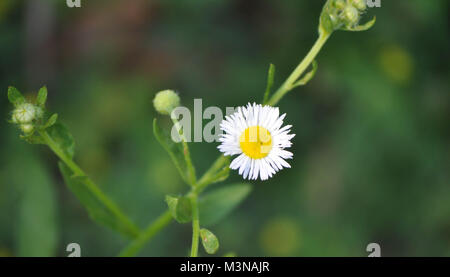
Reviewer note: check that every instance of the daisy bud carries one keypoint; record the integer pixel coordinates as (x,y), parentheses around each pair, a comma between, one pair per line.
(343,15)
(359,4)
(165,101)
(27,128)
(25,113)
(350,16)
(339,4)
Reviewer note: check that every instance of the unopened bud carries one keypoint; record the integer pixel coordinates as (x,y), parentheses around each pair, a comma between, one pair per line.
(350,15)
(27,128)
(24,113)
(165,101)
(359,4)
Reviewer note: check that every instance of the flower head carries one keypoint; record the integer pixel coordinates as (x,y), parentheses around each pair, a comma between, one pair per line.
(165,101)
(255,134)
(25,113)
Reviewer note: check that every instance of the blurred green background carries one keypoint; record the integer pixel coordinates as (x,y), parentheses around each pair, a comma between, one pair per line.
(371,155)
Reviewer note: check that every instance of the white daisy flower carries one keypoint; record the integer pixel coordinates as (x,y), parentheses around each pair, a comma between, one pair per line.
(255,134)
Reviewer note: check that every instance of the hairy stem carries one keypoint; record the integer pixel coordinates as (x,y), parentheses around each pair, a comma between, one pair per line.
(152,229)
(299,70)
(77,171)
(195,226)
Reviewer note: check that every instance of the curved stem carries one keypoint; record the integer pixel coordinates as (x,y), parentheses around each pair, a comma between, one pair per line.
(153,228)
(299,70)
(195,226)
(77,171)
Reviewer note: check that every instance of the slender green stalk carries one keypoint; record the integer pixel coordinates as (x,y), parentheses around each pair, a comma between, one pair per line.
(187,156)
(299,70)
(152,229)
(205,180)
(195,226)
(109,204)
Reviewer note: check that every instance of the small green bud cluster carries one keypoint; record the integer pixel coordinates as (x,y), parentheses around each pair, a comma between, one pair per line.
(166,101)
(343,15)
(30,116)
(25,115)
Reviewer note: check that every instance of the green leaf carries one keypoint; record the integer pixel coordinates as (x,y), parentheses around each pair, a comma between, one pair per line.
(363,27)
(209,241)
(180,208)
(270,79)
(37,229)
(175,151)
(61,135)
(308,76)
(220,202)
(96,209)
(42,97)
(218,172)
(51,121)
(15,97)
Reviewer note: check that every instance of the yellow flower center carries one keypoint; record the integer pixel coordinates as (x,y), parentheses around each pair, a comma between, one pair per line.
(256,142)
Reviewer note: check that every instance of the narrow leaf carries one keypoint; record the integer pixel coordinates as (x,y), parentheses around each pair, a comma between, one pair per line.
(308,76)
(51,121)
(364,27)
(15,97)
(175,151)
(209,241)
(270,79)
(96,210)
(217,204)
(180,208)
(42,97)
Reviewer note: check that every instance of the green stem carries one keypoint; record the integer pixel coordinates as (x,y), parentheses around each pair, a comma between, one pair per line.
(299,70)
(195,226)
(153,228)
(205,180)
(187,156)
(77,171)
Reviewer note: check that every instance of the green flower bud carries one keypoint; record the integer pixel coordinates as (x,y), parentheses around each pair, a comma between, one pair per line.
(350,16)
(343,15)
(359,4)
(339,4)
(25,113)
(165,101)
(27,128)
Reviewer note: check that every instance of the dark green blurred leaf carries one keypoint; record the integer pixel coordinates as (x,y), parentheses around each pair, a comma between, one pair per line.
(42,97)
(180,208)
(175,150)
(15,97)
(96,209)
(61,135)
(217,204)
(209,241)
(37,232)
